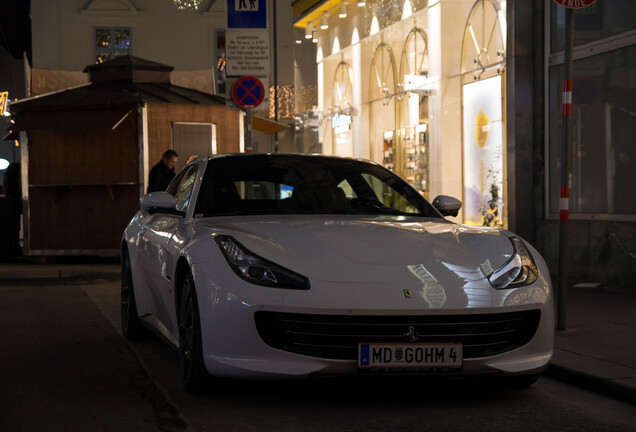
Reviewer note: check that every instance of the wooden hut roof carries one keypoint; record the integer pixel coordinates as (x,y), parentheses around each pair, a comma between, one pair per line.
(124,82)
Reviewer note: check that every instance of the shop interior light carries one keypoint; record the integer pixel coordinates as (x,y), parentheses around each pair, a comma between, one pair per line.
(362,3)
(324,25)
(343,11)
(308,31)
(299,41)
(314,36)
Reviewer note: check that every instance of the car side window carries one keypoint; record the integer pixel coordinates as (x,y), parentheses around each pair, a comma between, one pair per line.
(182,191)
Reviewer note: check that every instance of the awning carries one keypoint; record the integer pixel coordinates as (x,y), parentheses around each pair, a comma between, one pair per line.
(266,125)
(70,120)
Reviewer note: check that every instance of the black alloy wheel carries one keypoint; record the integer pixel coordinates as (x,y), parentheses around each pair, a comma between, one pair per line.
(130,324)
(194,375)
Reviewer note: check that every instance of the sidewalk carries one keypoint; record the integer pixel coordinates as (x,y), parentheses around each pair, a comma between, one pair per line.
(597,351)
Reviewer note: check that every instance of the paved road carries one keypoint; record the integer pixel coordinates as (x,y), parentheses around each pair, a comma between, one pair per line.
(64,366)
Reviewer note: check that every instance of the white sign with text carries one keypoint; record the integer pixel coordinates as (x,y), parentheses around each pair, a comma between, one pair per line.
(247,52)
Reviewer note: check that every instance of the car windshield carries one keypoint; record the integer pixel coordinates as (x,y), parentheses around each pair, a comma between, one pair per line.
(294,184)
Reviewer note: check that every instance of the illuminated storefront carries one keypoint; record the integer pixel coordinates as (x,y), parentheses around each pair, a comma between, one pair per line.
(418,87)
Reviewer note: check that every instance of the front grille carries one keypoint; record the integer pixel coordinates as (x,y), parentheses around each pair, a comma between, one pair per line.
(337,336)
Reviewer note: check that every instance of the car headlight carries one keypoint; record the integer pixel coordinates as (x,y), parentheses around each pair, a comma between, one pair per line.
(257,270)
(520,270)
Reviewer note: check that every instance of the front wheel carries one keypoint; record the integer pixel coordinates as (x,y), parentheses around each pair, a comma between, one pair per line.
(194,376)
(130,324)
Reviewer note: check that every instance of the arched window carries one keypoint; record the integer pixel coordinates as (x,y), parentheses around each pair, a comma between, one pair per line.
(341,118)
(484,43)
(342,87)
(383,79)
(414,61)
(382,112)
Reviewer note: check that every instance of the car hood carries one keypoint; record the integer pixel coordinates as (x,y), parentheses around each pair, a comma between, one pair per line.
(371,249)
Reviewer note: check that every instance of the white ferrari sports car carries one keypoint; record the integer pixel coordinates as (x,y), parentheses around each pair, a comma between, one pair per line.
(271,266)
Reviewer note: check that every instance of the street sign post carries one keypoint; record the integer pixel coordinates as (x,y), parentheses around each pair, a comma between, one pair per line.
(248,92)
(247,55)
(564,195)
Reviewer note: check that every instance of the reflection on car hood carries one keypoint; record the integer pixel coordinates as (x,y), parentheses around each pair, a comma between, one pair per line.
(371,249)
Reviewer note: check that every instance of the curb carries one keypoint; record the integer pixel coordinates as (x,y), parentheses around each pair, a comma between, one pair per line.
(591,382)
(21,275)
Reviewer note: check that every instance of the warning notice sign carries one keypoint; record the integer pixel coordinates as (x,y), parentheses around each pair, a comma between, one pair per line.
(247,52)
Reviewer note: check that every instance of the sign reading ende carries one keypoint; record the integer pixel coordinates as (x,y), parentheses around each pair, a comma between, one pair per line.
(574,4)
(247,52)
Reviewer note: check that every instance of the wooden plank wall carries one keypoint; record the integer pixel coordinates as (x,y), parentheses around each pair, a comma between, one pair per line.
(161,117)
(79,198)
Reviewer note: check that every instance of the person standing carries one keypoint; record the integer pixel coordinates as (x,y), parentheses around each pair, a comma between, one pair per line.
(162,174)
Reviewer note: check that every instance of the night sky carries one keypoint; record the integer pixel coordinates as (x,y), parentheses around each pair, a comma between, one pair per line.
(15,27)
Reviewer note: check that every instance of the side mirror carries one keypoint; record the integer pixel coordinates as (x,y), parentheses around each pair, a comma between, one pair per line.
(447,205)
(158,202)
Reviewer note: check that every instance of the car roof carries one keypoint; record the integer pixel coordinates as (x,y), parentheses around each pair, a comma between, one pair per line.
(285,156)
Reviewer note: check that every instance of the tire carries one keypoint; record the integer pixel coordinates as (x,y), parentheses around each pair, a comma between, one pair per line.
(130,324)
(194,376)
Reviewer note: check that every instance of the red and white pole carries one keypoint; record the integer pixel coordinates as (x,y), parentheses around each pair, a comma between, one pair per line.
(564,196)
(567,97)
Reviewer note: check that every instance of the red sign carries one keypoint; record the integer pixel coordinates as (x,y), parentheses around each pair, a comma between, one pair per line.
(574,4)
(248,92)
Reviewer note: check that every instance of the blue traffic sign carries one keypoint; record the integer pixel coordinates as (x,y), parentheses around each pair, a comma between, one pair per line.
(248,92)
(246,14)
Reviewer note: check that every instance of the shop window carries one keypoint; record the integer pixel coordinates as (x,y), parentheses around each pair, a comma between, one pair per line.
(483,81)
(602,136)
(112,42)
(599,20)
(413,154)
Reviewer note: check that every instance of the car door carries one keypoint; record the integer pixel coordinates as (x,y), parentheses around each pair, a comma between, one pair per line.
(160,254)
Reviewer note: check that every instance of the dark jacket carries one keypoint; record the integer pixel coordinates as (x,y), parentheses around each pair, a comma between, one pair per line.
(160,177)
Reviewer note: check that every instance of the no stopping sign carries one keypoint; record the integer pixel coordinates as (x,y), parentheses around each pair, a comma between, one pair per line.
(248,92)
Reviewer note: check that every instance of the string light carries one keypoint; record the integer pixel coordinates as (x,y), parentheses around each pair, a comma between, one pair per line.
(308,97)
(187,4)
(286,102)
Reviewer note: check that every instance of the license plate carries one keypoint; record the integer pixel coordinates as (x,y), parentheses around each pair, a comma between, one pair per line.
(404,355)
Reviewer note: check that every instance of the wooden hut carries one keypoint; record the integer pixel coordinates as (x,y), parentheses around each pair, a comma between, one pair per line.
(87,151)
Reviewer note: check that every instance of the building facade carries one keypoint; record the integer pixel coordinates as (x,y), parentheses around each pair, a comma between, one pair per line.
(462,98)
